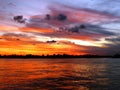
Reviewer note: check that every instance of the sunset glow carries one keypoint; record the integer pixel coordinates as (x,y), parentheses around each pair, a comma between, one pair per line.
(58,27)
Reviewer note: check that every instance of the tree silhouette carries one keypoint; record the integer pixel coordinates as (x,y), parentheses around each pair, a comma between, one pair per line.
(59,56)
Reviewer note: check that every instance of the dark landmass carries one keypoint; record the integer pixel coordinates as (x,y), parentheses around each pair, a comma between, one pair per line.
(60,56)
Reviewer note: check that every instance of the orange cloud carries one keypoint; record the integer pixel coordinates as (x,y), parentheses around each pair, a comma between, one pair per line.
(35,48)
(63,34)
(33,29)
(8,28)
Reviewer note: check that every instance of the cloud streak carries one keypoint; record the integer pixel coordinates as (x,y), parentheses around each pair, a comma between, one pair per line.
(50,27)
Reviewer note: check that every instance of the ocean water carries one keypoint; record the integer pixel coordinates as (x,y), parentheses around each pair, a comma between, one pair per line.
(60,74)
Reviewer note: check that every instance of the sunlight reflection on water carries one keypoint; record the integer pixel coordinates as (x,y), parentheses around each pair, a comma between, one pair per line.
(59,74)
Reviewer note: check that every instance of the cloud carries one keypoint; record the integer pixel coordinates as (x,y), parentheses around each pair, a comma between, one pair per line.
(70,16)
(102,6)
(113,39)
(90,32)
(48,17)
(53,41)
(82,14)
(107,49)
(99,30)
(50,29)
(79,24)
(61,17)
(19,19)
(17,37)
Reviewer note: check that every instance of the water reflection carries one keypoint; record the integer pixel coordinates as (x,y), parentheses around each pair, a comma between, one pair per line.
(57,74)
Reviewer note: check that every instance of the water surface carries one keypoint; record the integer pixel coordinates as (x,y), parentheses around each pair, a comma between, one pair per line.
(60,74)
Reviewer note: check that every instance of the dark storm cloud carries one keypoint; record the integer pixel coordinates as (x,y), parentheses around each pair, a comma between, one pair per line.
(19,19)
(61,17)
(52,41)
(112,48)
(91,29)
(109,49)
(114,39)
(99,30)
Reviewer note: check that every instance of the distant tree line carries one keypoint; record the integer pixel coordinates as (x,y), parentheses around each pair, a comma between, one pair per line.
(60,56)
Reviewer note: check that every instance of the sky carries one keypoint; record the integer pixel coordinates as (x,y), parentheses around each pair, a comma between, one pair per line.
(59,27)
